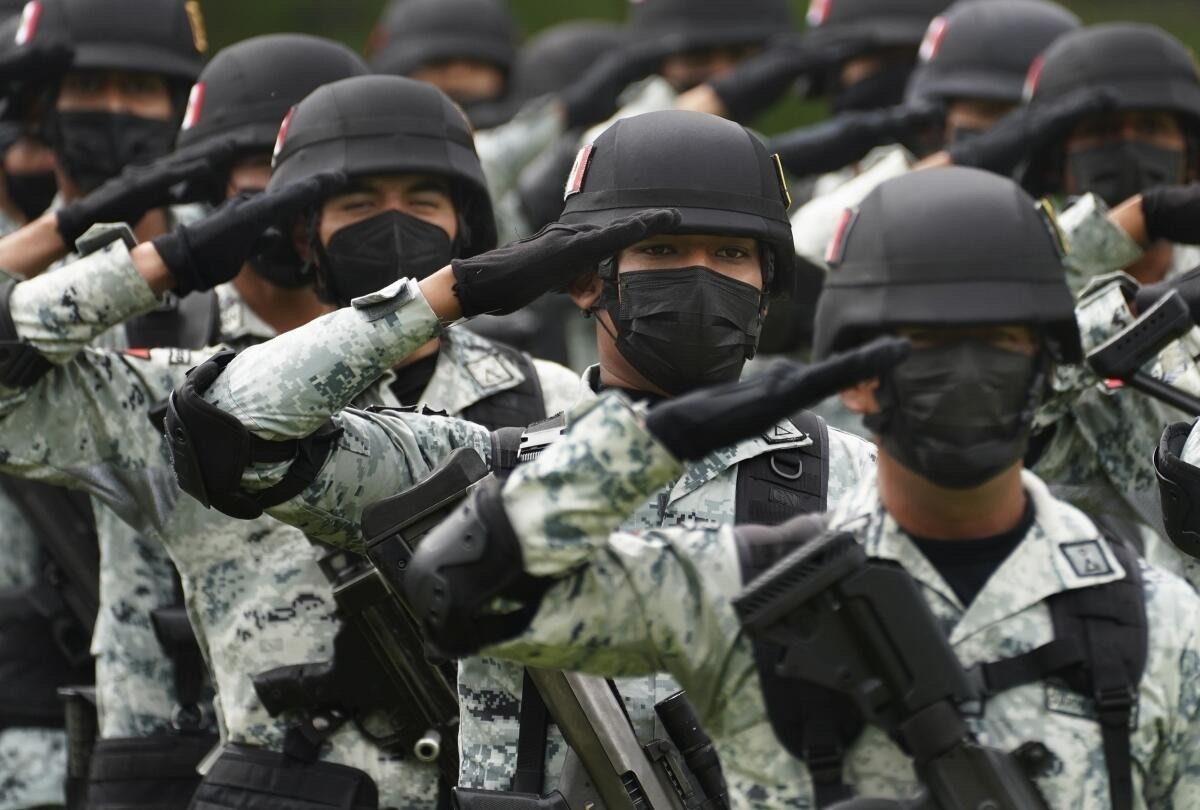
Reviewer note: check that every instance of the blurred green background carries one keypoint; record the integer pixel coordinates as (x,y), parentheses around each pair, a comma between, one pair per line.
(352,20)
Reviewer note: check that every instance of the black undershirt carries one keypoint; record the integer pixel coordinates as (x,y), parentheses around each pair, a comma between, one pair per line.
(967,565)
(412,380)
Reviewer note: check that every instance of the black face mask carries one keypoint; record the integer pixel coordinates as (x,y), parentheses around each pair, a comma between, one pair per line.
(1117,171)
(958,415)
(882,89)
(32,193)
(369,255)
(95,146)
(685,329)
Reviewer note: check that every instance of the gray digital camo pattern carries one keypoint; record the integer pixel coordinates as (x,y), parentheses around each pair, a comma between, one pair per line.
(253,590)
(638,603)
(135,687)
(32,760)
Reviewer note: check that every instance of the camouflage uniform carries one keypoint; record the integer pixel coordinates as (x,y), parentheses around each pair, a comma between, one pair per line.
(504,151)
(32,760)
(489,690)
(634,604)
(253,590)
(135,688)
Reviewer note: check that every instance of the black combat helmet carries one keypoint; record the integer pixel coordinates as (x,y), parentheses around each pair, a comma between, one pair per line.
(415,32)
(165,37)
(682,25)
(715,172)
(1142,67)
(948,247)
(248,88)
(559,55)
(982,49)
(878,23)
(389,125)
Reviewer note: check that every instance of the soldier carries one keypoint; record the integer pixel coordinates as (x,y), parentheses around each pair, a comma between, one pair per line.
(1129,94)
(115,80)
(1112,111)
(106,87)
(673,312)
(254,592)
(973,64)
(293,623)
(151,685)
(961,262)
(465,48)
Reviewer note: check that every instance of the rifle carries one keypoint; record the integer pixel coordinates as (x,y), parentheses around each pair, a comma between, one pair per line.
(607,766)
(1122,356)
(861,627)
(64,525)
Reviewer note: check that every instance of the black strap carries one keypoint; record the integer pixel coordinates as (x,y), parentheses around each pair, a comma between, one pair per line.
(519,406)
(776,486)
(178,641)
(530,776)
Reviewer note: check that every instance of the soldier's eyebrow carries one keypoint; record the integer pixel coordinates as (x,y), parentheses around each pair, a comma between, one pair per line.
(431,184)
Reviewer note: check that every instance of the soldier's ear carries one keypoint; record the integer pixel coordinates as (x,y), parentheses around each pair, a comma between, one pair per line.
(861,398)
(585,290)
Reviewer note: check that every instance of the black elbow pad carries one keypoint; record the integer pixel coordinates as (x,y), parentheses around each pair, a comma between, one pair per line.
(210,449)
(462,567)
(1179,489)
(21,365)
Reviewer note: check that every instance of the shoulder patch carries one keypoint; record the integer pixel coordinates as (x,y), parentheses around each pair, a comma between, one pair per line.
(783,433)
(488,372)
(1087,558)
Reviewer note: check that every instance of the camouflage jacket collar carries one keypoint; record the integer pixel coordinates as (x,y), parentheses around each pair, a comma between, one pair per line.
(469,369)
(782,436)
(1062,551)
(240,325)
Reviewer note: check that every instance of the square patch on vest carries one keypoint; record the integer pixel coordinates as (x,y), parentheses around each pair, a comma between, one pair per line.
(489,372)
(1087,558)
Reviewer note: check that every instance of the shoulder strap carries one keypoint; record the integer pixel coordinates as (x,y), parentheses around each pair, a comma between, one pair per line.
(1111,621)
(516,407)
(1099,650)
(814,724)
(778,485)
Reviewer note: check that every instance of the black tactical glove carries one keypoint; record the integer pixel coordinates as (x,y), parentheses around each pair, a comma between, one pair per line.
(831,145)
(1173,213)
(138,189)
(503,280)
(1187,284)
(1026,130)
(592,97)
(212,251)
(696,424)
(761,80)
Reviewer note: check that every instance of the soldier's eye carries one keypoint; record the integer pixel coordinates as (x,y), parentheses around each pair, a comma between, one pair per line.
(658,250)
(733,253)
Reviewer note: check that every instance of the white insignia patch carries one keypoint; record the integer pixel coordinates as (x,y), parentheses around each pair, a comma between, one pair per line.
(488,372)
(1087,558)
